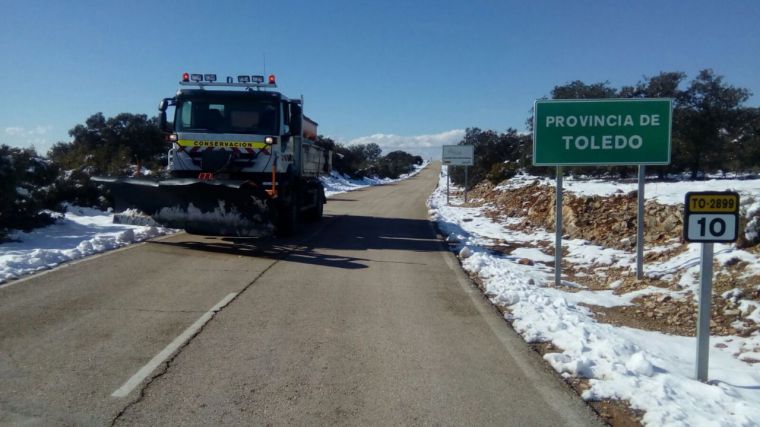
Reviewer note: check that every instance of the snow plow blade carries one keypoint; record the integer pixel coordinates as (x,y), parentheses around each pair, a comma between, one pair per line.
(213,207)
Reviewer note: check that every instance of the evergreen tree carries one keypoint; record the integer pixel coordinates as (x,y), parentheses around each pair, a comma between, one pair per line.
(712,115)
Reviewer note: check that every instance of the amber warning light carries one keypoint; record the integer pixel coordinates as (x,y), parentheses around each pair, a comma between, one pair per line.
(272,79)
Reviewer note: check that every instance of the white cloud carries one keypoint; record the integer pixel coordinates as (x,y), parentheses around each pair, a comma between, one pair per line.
(22,137)
(19,131)
(14,131)
(40,130)
(418,144)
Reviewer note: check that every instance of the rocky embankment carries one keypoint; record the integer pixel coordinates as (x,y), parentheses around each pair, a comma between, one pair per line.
(611,222)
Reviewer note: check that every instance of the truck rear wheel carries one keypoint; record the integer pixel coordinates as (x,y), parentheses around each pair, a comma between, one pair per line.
(315,213)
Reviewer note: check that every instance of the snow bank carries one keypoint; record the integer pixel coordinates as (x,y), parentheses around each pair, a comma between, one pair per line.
(651,370)
(337,183)
(79,233)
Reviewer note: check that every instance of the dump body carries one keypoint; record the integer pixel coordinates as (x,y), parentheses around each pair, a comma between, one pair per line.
(309,129)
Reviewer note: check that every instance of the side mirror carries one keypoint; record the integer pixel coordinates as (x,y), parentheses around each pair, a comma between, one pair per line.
(162,123)
(162,106)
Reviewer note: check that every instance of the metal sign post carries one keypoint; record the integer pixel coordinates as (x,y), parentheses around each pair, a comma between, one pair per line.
(709,217)
(448,180)
(703,315)
(558,231)
(465,184)
(640,225)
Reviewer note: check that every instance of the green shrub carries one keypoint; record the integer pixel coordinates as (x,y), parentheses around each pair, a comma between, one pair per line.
(27,184)
(502,171)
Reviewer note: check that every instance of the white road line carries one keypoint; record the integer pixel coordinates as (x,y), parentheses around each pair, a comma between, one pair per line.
(146,370)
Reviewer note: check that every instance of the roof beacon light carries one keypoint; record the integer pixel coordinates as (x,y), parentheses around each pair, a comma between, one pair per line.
(248,81)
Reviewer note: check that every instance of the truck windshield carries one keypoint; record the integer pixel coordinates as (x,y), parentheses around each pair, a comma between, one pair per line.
(227,115)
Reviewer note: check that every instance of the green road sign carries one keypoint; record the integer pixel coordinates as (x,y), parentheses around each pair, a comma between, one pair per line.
(602,132)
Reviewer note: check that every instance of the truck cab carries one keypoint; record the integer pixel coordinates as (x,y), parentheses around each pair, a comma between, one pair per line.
(240,134)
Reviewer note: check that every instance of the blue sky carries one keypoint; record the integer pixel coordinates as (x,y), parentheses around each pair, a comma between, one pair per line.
(406,74)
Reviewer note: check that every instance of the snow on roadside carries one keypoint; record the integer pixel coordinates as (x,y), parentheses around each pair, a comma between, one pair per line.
(82,232)
(338,183)
(664,192)
(653,371)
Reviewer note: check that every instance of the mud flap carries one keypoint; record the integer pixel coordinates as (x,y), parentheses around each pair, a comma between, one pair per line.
(216,207)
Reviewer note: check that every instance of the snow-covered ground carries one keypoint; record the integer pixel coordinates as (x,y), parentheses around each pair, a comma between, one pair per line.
(78,233)
(337,183)
(82,232)
(653,371)
(662,192)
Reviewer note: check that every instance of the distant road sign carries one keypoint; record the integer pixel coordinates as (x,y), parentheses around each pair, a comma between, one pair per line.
(458,155)
(711,217)
(601,132)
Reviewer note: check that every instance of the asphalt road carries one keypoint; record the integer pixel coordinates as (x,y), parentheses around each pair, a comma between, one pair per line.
(363,319)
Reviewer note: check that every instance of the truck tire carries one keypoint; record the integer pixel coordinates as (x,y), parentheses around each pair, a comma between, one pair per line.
(315,214)
(286,223)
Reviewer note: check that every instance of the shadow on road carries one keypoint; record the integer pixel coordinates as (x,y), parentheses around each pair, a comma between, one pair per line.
(325,243)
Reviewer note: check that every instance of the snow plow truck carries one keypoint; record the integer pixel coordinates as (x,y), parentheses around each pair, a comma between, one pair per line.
(243,162)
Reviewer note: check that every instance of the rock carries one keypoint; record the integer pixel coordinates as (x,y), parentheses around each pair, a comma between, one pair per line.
(525,261)
(732,261)
(664,298)
(748,310)
(465,253)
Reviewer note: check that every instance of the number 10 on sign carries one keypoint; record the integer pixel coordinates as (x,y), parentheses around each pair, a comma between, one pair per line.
(712,227)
